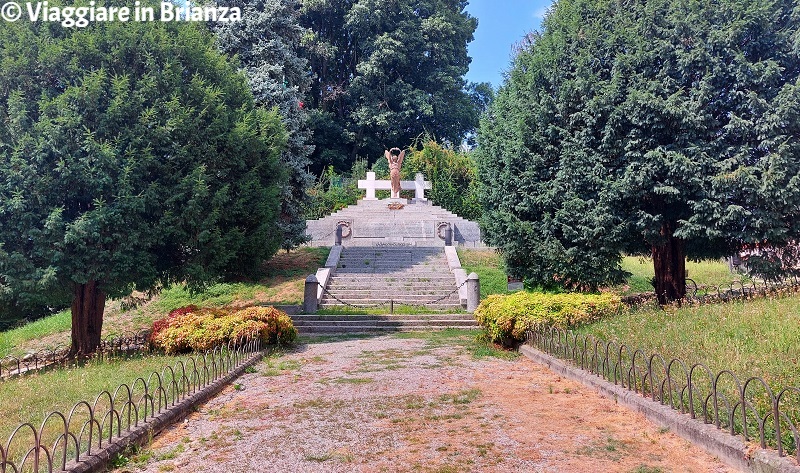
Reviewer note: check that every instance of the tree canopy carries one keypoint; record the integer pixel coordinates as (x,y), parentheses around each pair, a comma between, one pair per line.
(131,155)
(384,73)
(267,43)
(661,127)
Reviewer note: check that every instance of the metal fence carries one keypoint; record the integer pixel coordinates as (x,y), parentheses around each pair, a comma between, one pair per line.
(62,440)
(128,342)
(751,408)
(738,290)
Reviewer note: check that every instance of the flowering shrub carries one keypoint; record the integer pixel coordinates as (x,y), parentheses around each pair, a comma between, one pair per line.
(161,324)
(191,328)
(506,318)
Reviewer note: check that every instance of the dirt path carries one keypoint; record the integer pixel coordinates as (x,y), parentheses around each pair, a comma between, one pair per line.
(391,404)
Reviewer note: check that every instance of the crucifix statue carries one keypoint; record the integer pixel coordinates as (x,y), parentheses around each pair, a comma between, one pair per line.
(395,158)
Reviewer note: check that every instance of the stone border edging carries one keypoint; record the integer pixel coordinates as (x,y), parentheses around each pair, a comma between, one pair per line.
(730,449)
(146,432)
(454,264)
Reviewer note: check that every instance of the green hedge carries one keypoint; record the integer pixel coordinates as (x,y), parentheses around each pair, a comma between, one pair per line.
(506,318)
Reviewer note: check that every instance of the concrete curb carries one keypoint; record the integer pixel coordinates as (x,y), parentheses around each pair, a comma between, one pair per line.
(731,450)
(143,434)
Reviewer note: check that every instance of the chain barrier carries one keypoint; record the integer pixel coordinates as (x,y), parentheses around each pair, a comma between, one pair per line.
(391,301)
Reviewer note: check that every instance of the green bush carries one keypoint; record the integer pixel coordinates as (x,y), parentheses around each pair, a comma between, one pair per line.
(453,177)
(334,191)
(506,318)
(195,329)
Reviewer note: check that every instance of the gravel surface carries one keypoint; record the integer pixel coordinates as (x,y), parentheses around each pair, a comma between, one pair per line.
(413,404)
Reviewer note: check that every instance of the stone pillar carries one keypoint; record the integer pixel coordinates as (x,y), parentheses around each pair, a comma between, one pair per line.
(473,292)
(448,236)
(338,235)
(310,303)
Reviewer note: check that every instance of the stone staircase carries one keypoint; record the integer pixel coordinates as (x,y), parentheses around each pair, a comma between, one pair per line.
(380,276)
(373,222)
(362,324)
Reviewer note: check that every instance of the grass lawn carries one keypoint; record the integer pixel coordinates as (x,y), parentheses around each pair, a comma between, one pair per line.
(30,398)
(751,338)
(490,268)
(706,272)
(282,284)
(59,322)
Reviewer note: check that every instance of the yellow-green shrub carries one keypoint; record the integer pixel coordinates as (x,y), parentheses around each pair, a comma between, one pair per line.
(197,329)
(506,318)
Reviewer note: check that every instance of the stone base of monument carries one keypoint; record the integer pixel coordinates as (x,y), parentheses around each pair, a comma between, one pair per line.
(394,222)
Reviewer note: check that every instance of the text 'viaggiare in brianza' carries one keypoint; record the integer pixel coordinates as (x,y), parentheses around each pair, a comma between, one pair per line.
(82,16)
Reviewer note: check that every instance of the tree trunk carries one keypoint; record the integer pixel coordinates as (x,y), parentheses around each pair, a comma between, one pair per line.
(88,303)
(669,263)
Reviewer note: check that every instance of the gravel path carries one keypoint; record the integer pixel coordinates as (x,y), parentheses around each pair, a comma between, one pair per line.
(413,404)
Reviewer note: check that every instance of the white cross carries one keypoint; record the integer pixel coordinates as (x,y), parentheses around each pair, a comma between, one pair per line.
(418,185)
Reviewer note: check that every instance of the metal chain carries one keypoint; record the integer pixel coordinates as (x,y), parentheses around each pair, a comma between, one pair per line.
(326,291)
(369,306)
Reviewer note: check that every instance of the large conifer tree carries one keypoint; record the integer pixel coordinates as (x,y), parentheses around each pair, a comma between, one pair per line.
(662,127)
(131,155)
(267,42)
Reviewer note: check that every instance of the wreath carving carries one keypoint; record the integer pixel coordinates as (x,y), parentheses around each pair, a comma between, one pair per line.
(346,230)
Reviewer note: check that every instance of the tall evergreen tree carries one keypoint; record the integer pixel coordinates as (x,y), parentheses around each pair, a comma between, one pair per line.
(266,42)
(131,155)
(658,127)
(385,72)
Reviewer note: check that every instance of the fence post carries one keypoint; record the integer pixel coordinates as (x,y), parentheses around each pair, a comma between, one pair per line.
(473,292)
(310,295)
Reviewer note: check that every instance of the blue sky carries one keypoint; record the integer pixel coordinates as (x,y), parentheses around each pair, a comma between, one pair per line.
(501,24)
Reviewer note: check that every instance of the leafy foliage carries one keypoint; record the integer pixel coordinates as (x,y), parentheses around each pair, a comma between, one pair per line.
(386,71)
(334,191)
(132,155)
(193,329)
(267,43)
(508,317)
(659,127)
(453,178)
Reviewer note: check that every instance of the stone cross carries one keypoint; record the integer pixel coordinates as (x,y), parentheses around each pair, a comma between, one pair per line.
(418,185)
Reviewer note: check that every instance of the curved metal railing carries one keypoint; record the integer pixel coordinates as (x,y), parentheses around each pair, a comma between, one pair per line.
(127,342)
(748,407)
(89,427)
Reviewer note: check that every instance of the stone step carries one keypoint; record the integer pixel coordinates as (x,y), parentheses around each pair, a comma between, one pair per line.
(383,305)
(370,329)
(420,276)
(380,260)
(299,318)
(378,295)
(404,257)
(404,285)
(386,323)
(423,288)
(389,278)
